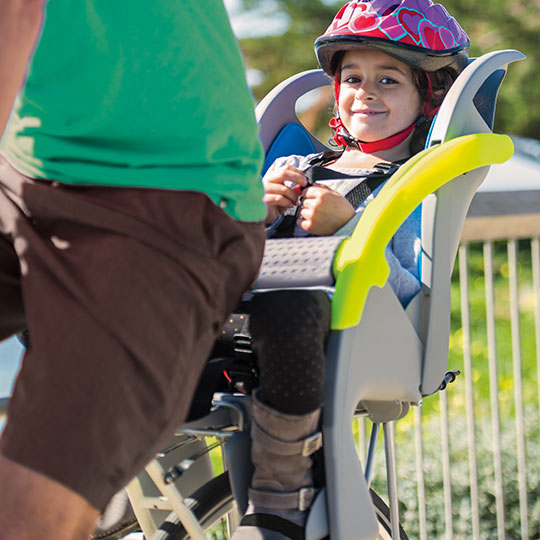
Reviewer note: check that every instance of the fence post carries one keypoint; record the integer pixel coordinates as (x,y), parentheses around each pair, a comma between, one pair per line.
(469,394)
(493,388)
(518,386)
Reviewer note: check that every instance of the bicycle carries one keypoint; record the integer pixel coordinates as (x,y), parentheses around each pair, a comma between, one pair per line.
(444,177)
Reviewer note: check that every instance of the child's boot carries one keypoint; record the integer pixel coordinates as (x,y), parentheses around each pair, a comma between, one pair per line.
(282,485)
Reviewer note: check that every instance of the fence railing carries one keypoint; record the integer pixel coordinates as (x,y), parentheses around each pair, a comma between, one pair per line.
(477,469)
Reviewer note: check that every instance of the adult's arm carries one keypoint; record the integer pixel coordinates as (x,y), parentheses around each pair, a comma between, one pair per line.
(20,25)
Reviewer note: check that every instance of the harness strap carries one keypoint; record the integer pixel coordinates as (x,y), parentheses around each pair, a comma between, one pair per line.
(356,196)
(274,523)
(283,500)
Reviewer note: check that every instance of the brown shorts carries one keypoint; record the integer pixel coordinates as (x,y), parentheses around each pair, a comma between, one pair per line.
(123,292)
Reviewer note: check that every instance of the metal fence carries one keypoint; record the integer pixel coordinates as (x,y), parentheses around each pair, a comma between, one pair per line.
(476,470)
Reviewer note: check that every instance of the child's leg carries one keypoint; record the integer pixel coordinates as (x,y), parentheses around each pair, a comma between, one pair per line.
(289,330)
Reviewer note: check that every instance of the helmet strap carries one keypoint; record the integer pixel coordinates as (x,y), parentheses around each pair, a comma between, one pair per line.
(344,138)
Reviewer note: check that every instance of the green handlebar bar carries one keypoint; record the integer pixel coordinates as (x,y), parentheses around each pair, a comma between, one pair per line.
(360,262)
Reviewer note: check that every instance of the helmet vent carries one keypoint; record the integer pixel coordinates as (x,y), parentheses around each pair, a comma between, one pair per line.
(341,11)
(391,9)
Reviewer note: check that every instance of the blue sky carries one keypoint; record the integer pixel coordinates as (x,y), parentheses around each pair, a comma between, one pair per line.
(10,353)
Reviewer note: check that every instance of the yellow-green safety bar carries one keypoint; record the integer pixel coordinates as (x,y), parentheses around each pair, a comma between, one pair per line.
(360,262)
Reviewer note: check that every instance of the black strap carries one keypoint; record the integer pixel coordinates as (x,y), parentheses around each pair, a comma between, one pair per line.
(285,228)
(274,523)
(317,171)
(357,195)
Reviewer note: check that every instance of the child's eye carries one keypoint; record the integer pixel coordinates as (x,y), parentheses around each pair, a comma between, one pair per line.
(352,79)
(388,81)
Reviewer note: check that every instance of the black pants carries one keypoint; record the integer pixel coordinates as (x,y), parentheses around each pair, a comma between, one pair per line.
(289,329)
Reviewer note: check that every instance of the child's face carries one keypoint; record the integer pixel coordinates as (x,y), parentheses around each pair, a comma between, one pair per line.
(378,97)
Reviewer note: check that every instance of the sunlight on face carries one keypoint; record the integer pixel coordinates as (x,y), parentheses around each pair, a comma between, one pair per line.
(378,97)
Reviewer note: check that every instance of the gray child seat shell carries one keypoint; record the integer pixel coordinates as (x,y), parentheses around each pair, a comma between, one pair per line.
(366,369)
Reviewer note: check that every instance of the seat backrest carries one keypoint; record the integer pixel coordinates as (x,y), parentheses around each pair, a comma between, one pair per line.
(468,108)
(281,133)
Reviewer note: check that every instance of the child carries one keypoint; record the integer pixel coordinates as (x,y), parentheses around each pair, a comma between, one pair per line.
(392,62)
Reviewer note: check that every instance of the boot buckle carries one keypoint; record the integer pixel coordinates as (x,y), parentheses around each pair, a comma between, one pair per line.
(305,498)
(312,444)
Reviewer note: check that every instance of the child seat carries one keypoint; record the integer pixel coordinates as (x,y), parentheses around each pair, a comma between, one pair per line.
(381,357)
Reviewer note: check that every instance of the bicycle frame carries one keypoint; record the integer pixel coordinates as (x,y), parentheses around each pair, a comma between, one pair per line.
(227,422)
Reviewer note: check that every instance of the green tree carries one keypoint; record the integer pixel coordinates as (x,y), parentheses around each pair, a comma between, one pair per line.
(279,56)
(491,25)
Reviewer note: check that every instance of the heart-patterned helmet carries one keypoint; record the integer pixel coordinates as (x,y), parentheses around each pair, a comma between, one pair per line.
(417,32)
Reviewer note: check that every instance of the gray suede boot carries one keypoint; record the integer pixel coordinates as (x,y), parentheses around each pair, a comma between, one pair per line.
(282,485)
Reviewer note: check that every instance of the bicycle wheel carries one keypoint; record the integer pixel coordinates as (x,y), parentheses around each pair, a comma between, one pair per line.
(383,517)
(213,502)
(117,520)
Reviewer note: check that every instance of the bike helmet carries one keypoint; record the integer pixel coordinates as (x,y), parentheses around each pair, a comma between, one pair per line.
(417,32)
(421,34)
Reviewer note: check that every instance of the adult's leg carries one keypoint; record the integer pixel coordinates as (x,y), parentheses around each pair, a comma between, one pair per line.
(35,506)
(125,291)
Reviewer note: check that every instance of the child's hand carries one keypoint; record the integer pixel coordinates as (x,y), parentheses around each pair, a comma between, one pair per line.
(324,211)
(279,197)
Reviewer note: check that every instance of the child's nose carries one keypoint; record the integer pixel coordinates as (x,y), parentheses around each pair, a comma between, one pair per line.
(366,90)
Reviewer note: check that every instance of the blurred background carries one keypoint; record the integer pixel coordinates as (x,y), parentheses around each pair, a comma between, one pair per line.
(476,472)
(277,39)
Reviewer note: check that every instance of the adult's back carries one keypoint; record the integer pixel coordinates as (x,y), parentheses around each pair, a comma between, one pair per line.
(137,93)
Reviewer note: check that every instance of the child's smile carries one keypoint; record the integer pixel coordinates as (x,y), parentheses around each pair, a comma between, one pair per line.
(368,113)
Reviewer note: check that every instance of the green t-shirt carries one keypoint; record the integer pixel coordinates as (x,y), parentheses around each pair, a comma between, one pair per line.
(140,93)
